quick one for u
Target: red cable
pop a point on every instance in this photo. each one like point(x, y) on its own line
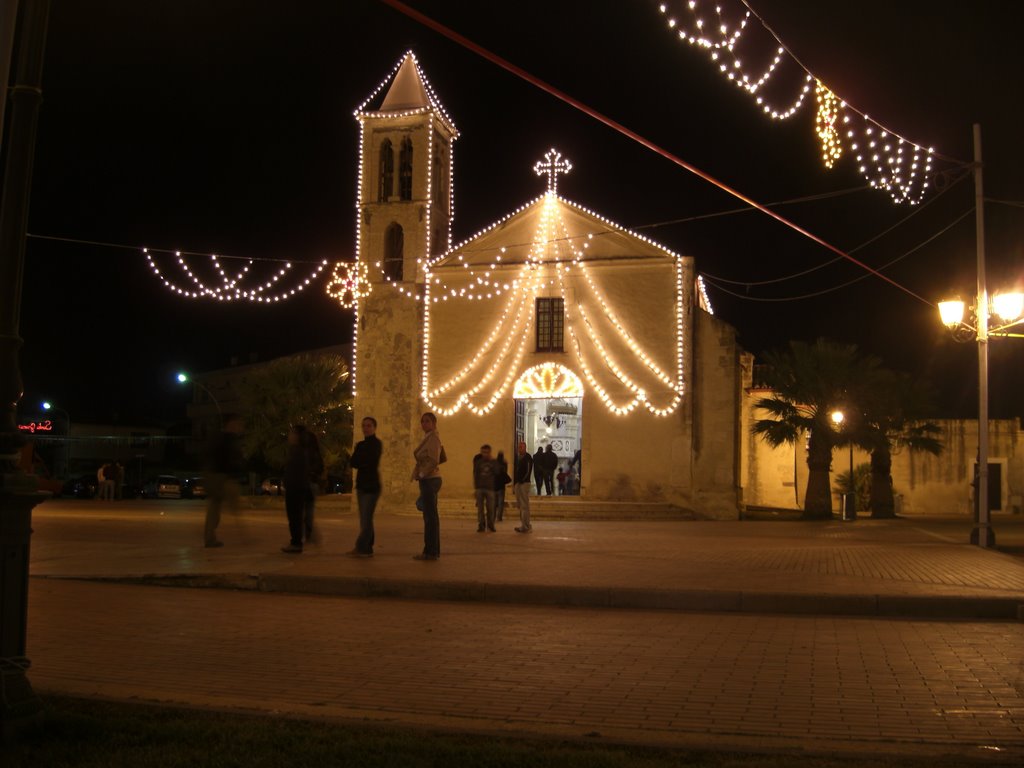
point(536, 81)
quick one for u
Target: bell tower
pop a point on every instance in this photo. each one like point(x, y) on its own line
point(404, 214)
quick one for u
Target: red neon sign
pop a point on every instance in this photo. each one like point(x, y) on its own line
point(37, 426)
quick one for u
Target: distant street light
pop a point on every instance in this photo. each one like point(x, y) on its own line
point(838, 417)
point(48, 406)
point(183, 377)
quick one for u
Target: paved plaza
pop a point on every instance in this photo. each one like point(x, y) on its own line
point(521, 646)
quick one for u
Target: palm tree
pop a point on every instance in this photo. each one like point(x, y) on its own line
point(893, 419)
point(303, 389)
point(809, 382)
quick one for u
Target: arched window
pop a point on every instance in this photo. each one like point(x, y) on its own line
point(405, 170)
point(387, 171)
point(394, 245)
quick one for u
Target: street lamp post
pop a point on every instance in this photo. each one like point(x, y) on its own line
point(1007, 307)
point(48, 406)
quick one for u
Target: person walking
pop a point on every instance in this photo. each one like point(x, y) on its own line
point(366, 462)
point(316, 483)
point(500, 482)
point(521, 472)
point(485, 479)
point(223, 463)
point(296, 487)
point(429, 455)
point(538, 469)
point(550, 465)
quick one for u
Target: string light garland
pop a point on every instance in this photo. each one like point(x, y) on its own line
point(825, 121)
point(555, 262)
point(231, 287)
point(886, 160)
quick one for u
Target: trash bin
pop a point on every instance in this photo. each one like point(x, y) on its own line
point(849, 506)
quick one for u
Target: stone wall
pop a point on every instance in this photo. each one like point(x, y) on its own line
point(717, 392)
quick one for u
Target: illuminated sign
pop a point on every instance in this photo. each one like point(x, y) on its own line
point(37, 426)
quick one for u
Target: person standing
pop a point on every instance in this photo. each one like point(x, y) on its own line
point(485, 479)
point(550, 465)
point(521, 486)
point(296, 487)
point(538, 468)
point(576, 472)
point(502, 480)
point(427, 472)
point(366, 462)
point(223, 463)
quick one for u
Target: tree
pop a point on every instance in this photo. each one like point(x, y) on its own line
point(894, 409)
point(302, 389)
point(808, 383)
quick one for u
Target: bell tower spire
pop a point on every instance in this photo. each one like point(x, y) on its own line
point(405, 184)
point(403, 219)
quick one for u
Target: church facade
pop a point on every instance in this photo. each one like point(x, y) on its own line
point(554, 326)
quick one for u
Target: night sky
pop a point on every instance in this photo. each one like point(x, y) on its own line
point(227, 128)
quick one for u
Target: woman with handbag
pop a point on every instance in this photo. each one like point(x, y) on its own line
point(429, 456)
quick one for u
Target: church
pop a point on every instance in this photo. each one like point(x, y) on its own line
point(554, 326)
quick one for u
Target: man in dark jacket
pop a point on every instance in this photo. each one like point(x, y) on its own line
point(538, 469)
point(366, 462)
point(521, 487)
point(550, 465)
point(224, 463)
point(485, 477)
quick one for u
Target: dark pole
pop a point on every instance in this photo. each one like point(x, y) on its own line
point(18, 494)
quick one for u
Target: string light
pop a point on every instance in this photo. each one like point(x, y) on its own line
point(555, 260)
point(825, 122)
point(230, 288)
point(886, 160)
point(702, 296)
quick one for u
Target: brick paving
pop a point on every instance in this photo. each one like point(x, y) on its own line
point(657, 677)
point(902, 567)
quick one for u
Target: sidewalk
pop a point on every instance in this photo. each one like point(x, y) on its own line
point(915, 568)
point(736, 675)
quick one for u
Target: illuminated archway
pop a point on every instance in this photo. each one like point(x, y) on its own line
point(548, 380)
point(549, 414)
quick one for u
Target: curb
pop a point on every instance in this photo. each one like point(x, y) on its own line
point(713, 601)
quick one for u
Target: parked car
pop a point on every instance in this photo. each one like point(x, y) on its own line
point(272, 486)
point(83, 487)
point(193, 488)
point(162, 487)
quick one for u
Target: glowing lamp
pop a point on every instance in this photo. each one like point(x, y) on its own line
point(838, 417)
point(47, 405)
point(1008, 306)
point(951, 312)
point(182, 378)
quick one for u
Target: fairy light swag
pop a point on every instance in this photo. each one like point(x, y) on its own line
point(226, 286)
point(886, 160)
point(553, 249)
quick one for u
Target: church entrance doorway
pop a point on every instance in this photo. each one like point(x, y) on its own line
point(549, 414)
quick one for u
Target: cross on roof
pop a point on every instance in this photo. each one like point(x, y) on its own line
point(552, 164)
